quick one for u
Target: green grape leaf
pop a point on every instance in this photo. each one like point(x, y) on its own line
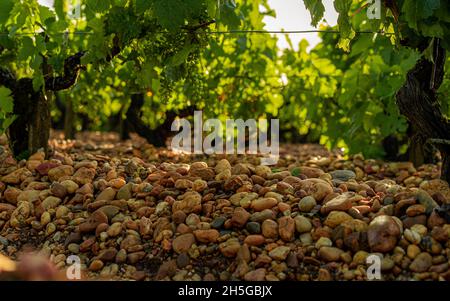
point(316, 9)
point(120, 2)
point(6, 100)
point(142, 6)
point(98, 6)
point(228, 15)
point(36, 63)
point(156, 84)
point(45, 14)
point(416, 11)
point(343, 7)
point(27, 49)
point(61, 7)
point(7, 122)
point(5, 9)
point(181, 56)
point(22, 14)
point(40, 44)
point(409, 62)
point(212, 8)
point(170, 13)
point(433, 30)
point(344, 24)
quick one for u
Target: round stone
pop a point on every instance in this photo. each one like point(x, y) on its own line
point(253, 227)
point(307, 203)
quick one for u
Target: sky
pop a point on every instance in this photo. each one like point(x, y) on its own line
point(291, 15)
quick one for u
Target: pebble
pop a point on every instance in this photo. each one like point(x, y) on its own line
point(256, 275)
point(360, 257)
point(58, 190)
point(4, 241)
point(93, 221)
point(56, 173)
point(306, 238)
point(302, 224)
point(269, 228)
point(383, 233)
point(84, 175)
point(254, 240)
point(70, 186)
point(130, 242)
point(412, 236)
point(178, 217)
point(323, 242)
point(310, 172)
point(121, 256)
point(124, 193)
point(218, 222)
point(96, 265)
point(108, 195)
point(206, 236)
point(415, 210)
point(73, 248)
point(253, 227)
point(286, 228)
point(342, 202)
point(306, 204)
point(421, 263)
point(45, 218)
point(50, 202)
point(335, 218)
point(11, 194)
point(230, 247)
point(107, 255)
point(135, 257)
point(343, 175)
point(279, 253)
point(262, 216)
point(183, 243)
point(263, 203)
point(330, 253)
point(190, 203)
point(412, 251)
point(240, 217)
point(183, 260)
point(114, 230)
point(387, 264)
point(426, 200)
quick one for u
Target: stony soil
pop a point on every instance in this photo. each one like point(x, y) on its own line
point(131, 211)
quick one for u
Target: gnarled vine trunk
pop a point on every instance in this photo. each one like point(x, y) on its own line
point(158, 136)
point(30, 130)
point(69, 118)
point(417, 100)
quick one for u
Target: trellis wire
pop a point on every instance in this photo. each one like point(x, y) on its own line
point(220, 32)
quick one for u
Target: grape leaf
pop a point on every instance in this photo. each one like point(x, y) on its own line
point(5, 8)
point(181, 56)
point(6, 100)
point(98, 6)
point(228, 15)
point(343, 8)
point(142, 6)
point(61, 8)
point(170, 13)
point(316, 9)
point(416, 11)
point(27, 49)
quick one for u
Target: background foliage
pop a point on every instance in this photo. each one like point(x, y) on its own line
point(341, 93)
